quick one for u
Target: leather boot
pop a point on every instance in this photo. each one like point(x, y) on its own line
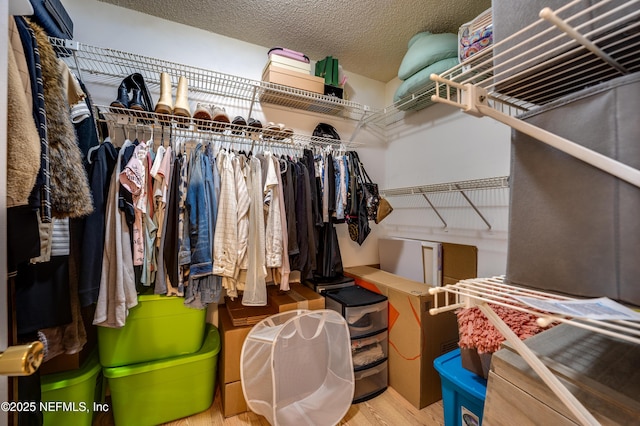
point(165, 104)
point(122, 100)
point(181, 107)
point(142, 97)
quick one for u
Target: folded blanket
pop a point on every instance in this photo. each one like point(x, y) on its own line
point(421, 80)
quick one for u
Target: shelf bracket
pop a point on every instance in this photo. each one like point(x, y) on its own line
point(473, 206)
point(253, 100)
point(435, 210)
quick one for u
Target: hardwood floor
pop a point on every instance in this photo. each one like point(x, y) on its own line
point(387, 409)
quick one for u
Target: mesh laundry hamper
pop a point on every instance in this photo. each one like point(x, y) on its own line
point(296, 368)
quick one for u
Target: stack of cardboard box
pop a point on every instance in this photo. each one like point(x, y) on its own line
point(291, 72)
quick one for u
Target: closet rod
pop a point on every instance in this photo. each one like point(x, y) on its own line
point(205, 129)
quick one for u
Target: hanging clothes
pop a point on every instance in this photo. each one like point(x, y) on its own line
point(117, 285)
point(255, 291)
point(284, 270)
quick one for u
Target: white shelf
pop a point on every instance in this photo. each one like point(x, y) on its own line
point(109, 66)
point(481, 292)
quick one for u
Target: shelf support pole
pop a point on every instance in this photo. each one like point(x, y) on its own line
point(434, 209)
point(582, 414)
point(473, 206)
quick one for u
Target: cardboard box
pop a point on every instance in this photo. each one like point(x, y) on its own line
point(231, 338)
point(247, 315)
point(416, 338)
point(232, 398)
point(298, 80)
point(298, 297)
point(289, 63)
point(459, 262)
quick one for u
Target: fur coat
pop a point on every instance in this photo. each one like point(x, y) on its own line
point(70, 193)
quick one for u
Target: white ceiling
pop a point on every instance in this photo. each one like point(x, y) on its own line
point(369, 37)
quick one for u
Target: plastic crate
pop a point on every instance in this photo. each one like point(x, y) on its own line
point(159, 327)
point(70, 396)
point(463, 392)
point(156, 392)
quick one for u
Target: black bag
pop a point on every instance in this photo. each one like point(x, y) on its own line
point(357, 218)
point(369, 189)
point(359, 228)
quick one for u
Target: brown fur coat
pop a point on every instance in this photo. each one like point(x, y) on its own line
point(70, 193)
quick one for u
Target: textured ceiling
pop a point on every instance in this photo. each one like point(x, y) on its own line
point(369, 37)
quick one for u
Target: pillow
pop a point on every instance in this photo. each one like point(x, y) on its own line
point(421, 79)
point(425, 50)
point(417, 37)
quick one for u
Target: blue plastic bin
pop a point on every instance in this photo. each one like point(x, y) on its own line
point(463, 392)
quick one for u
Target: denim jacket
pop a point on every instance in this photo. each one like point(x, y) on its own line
point(198, 205)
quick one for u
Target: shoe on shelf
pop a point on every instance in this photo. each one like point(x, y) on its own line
point(237, 122)
point(203, 116)
point(141, 98)
point(220, 118)
point(181, 107)
point(273, 130)
point(165, 103)
point(122, 101)
point(255, 124)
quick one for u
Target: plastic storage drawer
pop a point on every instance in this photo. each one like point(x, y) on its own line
point(370, 382)
point(364, 310)
point(366, 351)
point(156, 392)
point(463, 392)
point(77, 390)
point(320, 285)
point(158, 327)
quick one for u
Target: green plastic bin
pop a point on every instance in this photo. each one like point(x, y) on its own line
point(68, 398)
point(158, 327)
point(156, 392)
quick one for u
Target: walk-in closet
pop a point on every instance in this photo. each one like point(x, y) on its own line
point(287, 213)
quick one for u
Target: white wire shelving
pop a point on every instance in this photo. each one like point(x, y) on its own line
point(577, 46)
point(168, 126)
point(461, 187)
point(481, 292)
point(109, 66)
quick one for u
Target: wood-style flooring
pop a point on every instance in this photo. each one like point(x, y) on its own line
point(387, 409)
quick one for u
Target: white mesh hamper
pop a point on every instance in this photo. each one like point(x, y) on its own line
point(296, 368)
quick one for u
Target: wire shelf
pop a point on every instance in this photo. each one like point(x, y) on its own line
point(109, 66)
point(207, 129)
point(576, 46)
point(467, 185)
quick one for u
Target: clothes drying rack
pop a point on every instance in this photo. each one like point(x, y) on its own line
point(601, 47)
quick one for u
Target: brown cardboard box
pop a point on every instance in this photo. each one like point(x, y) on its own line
point(298, 297)
point(459, 262)
point(231, 340)
point(298, 80)
point(416, 338)
point(232, 399)
point(241, 315)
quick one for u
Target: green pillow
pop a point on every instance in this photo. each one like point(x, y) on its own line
point(426, 49)
point(421, 80)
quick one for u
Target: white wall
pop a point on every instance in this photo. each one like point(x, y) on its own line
point(437, 144)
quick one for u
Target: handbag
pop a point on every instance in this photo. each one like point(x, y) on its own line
point(357, 219)
point(370, 190)
point(384, 209)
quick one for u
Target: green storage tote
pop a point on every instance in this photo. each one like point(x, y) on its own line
point(71, 395)
point(158, 327)
point(156, 392)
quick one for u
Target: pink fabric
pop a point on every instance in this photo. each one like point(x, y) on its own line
point(477, 332)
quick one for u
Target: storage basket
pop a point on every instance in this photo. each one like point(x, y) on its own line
point(296, 368)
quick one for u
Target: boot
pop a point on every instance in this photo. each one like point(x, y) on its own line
point(143, 97)
point(123, 95)
point(165, 104)
point(181, 107)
